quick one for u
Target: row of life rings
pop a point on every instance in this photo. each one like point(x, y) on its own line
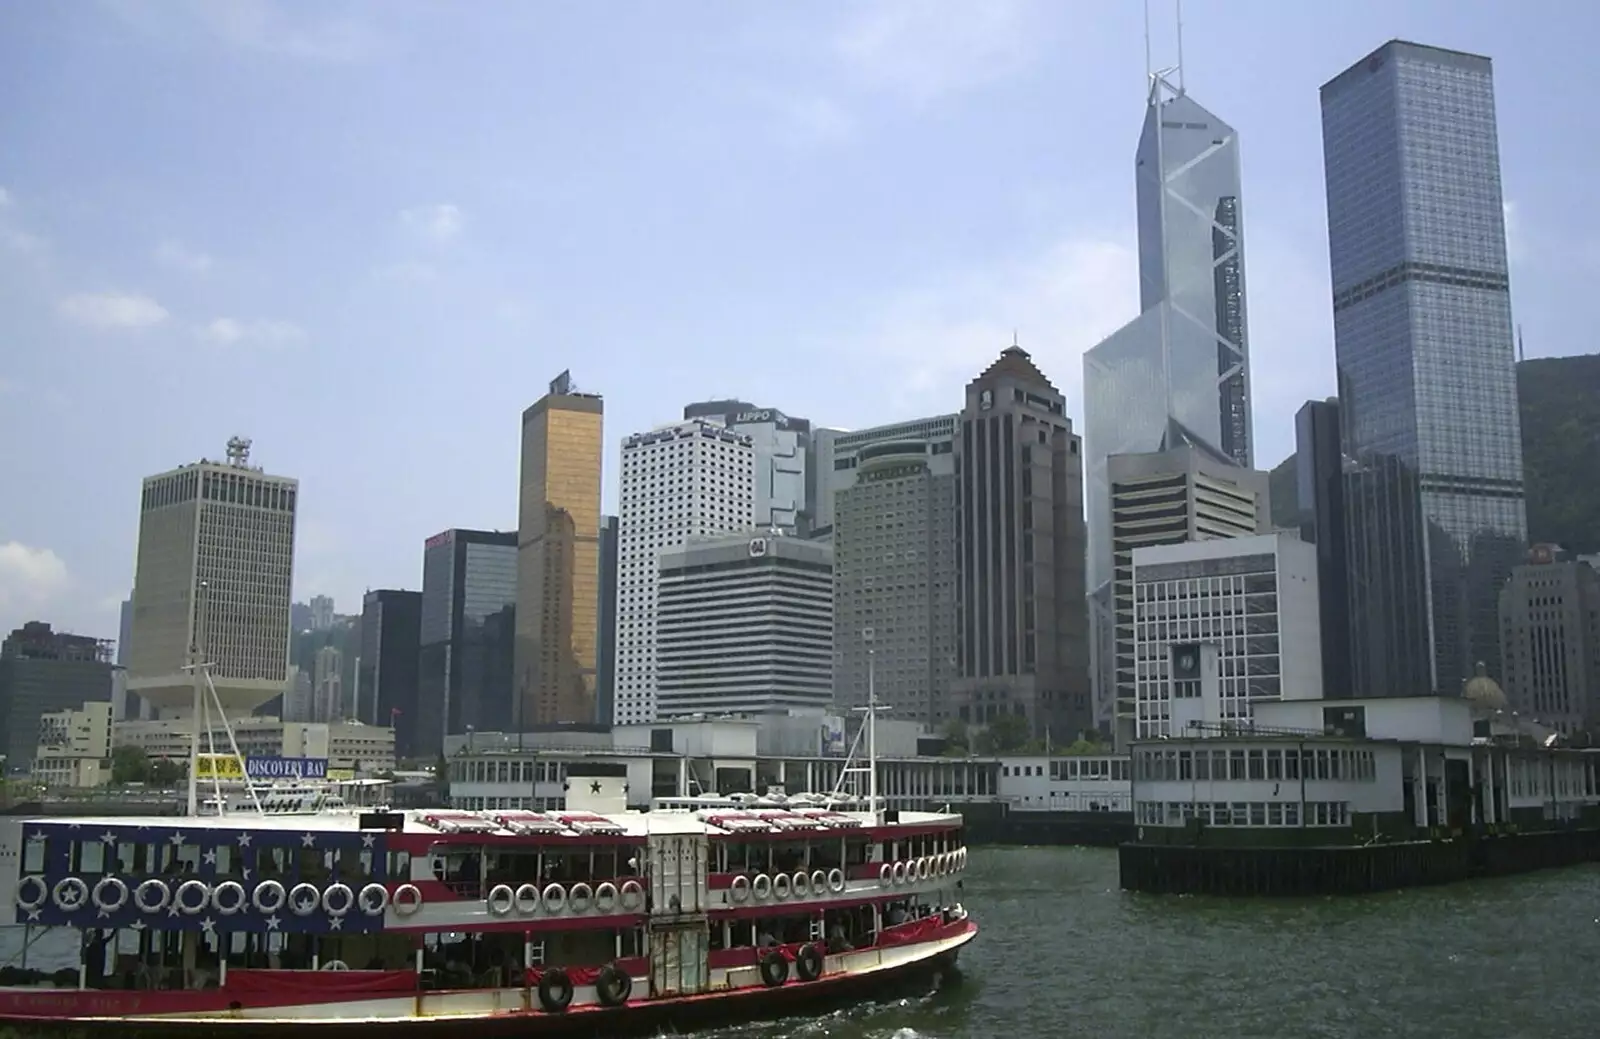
point(604, 898)
point(892, 874)
point(193, 897)
point(783, 886)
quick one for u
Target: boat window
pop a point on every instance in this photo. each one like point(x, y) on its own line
point(127, 857)
point(224, 859)
point(273, 862)
point(33, 857)
point(399, 865)
point(88, 857)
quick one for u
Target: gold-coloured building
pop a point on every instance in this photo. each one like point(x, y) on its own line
point(558, 557)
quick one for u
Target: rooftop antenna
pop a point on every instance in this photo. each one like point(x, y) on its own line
point(1522, 354)
point(1179, 6)
point(1149, 69)
point(239, 452)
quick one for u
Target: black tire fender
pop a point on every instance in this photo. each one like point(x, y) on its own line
point(808, 963)
point(613, 986)
point(774, 969)
point(555, 991)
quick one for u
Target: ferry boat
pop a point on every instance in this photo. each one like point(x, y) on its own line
point(592, 920)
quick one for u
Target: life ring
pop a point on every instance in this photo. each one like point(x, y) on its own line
point(819, 882)
point(374, 899)
point(761, 887)
point(800, 883)
point(943, 862)
point(555, 900)
point(527, 899)
point(555, 989)
point(274, 900)
point(117, 898)
point(407, 899)
point(335, 965)
point(188, 906)
point(501, 899)
point(808, 963)
point(739, 890)
point(923, 869)
point(633, 894)
point(581, 898)
point(885, 875)
point(605, 898)
point(346, 899)
point(303, 906)
point(613, 986)
point(34, 901)
point(236, 899)
point(70, 894)
point(836, 881)
point(780, 886)
point(142, 893)
point(774, 969)
point(963, 858)
point(899, 872)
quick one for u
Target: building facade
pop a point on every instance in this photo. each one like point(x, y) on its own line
point(1021, 617)
point(386, 675)
point(785, 461)
point(1319, 475)
point(558, 555)
point(1221, 626)
point(689, 479)
point(42, 672)
point(1169, 498)
point(1550, 631)
point(466, 630)
point(744, 625)
point(348, 747)
point(74, 747)
point(1430, 428)
point(606, 662)
point(894, 521)
point(213, 574)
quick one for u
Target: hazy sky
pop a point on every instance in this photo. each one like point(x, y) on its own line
point(367, 235)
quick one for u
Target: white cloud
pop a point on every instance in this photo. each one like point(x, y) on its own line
point(439, 223)
point(262, 26)
point(1059, 303)
point(227, 331)
point(21, 241)
point(30, 578)
point(181, 257)
point(5, 198)
point(925, 50)
point(112, 310)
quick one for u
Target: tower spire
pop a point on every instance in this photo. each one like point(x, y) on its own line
point(1178, 4)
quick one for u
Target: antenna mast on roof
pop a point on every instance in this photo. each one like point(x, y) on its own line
point(1179, 5)
point(239, 452)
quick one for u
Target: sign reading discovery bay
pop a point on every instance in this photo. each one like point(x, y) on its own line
point(226, 766)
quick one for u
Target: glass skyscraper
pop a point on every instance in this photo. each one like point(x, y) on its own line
point(1429, 427)
point(1179, 374)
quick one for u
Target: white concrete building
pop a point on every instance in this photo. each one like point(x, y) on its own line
point(74, 747)
point(347, 746)
point(1222, 625)
point(214, 569)
point(688, 479)
point(744, 625)
point(785, 484)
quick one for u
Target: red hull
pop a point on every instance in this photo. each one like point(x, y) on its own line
point(644, 1018)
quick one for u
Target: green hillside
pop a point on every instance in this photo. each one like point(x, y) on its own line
point(1560, 404)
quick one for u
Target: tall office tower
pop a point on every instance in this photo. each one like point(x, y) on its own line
point(1436, 518)
point(1021, 622)
point(321, 612)
point(1169, 498)
point(688, 479)
point(43, 671)
point(894, 517)
point(820, 484)
point(558, 556)
point(467, 633)
point(214, 569)
point(328, 703)
point(785, 461)
point(386, 675)
point(606, 657)
point(1319, 474)
point(1550, 626)
point(1179, 373)
point(124, 706)
point(744, 626)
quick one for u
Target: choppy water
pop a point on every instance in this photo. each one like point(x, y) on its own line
point(1065, 953)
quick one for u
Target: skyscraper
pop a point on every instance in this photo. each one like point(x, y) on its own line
point(894, 518)
point(558, 556)
point(466, 626)
point(1319, 473)
point(1022, 639)
point(1179, 373)
point(785, 461)
point(386, 678)
point(214, 569)
point(688, 479)
point(1435, 513)
point(606, 662)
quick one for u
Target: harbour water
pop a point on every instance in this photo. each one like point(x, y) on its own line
point(1065, 953)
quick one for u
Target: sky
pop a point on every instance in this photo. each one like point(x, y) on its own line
point(367, 235)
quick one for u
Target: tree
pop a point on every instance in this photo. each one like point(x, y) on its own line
point(129, 765)
point(1005, 734)
point(1083, 747)
point(957, 740)
point(166, 772)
